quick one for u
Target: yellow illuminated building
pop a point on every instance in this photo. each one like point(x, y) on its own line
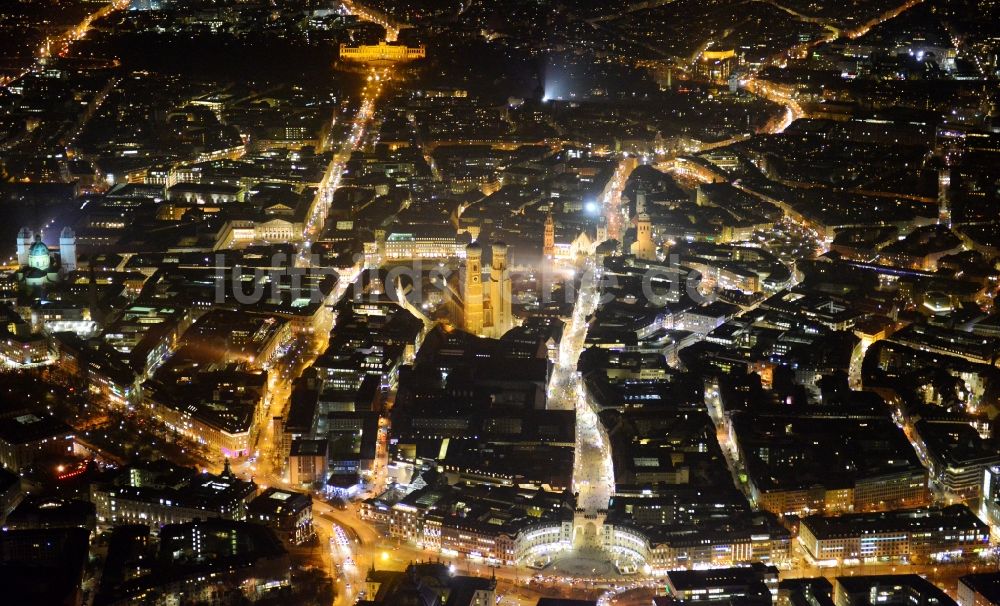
point(472, 293)
point(549, 238)
point(716, 65)
point(500, 293)
point(718, 55)
point(644, 247)
point(382, 52)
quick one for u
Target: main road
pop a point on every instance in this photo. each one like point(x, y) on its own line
point(342, 541)
point(593, 470)
point(309, 346)
point(320, 206)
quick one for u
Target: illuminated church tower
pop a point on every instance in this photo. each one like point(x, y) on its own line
point(640, 201)
point(500, 292)
point(25, 238)
point(643, 248)
point(944, 196)
point(380, 245)
point(549, 239)
point(472, 295)
point(67, 249)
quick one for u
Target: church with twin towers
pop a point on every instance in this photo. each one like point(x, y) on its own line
point(38, 264)
point(486, 311)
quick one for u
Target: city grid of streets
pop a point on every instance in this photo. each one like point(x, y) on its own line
point(593, 476)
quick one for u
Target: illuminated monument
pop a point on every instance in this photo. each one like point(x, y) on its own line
point(382, 53)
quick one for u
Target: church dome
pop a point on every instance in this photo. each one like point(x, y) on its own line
point(38, 255)
point(38, 249)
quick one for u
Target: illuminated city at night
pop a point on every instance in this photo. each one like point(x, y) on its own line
point(499, 303)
